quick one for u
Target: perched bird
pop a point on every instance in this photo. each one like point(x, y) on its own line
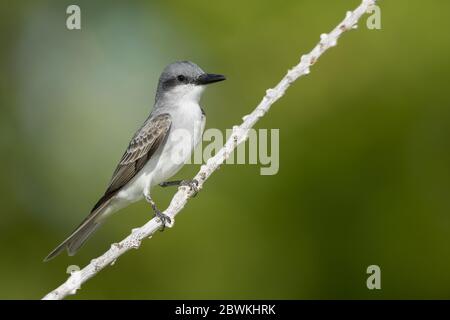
point(157, 150)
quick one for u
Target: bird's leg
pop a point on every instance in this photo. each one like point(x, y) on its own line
point(170, 183)
point(163, 217)
point(193, 184)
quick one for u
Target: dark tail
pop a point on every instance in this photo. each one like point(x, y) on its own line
point(81, 233)
point(75, 241)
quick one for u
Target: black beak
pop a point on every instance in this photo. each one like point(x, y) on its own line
point(208, 78)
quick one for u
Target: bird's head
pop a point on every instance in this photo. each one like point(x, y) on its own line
point(184, 80)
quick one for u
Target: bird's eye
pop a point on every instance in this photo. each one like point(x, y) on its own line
point(181, 78)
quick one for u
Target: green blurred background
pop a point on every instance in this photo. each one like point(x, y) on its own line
point(364, 149)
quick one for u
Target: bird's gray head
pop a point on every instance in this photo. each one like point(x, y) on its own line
point(184, 80)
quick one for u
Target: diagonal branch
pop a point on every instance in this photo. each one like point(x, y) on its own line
point(239, 135)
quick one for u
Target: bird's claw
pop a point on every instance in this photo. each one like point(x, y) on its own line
point(192, 184)
point(165, 219)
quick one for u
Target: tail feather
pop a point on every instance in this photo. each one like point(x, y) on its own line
point(75, 240)
point(81, 233)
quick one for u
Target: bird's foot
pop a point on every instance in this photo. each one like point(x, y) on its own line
point(165, 219)
point(192, 184)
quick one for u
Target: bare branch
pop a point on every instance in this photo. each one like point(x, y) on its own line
point(238, 136)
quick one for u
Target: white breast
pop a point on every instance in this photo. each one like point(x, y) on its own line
point(185, 133)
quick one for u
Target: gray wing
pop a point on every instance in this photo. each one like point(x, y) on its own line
point(143, 145)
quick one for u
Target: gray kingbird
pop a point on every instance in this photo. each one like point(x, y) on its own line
point(153, 155)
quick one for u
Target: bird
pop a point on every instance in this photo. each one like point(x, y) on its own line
point(156, 152)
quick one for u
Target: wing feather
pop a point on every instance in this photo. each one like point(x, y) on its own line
point(142, 146)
